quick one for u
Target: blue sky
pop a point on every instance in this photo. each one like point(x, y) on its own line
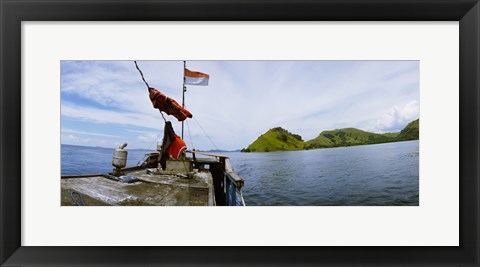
point(105, 103)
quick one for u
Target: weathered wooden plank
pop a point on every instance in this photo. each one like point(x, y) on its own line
point(151, 189)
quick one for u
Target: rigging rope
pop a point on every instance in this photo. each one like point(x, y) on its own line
point(75, 200)
point(206, 133)
point(148, 86)
point(191, 140)
point(144, 157)
point(141, 73)
point(161, 113)
point(189, 133)
point(162, 116)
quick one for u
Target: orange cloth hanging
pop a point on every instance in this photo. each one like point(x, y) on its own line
point(176, 147)
point(168, 105)
point(172, 145)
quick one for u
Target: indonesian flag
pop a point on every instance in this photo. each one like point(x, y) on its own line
point(195, 77)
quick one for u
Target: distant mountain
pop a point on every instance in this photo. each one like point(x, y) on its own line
point(276, 139)
point(279, 139)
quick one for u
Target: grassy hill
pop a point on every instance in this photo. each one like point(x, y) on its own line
point(276, 139)
point(348, 137)
point(411, 131)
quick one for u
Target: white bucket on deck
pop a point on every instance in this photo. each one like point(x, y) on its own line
point(119, 159)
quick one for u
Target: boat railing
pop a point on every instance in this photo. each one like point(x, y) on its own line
point(225, 178)
point(233, 189)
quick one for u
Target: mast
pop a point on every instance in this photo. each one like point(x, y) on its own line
point(183, 90)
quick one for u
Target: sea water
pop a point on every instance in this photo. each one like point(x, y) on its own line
point(370, 175)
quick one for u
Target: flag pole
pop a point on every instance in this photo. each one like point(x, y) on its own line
point(183, 90)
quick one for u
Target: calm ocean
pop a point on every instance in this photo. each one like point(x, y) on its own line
point(372, 175)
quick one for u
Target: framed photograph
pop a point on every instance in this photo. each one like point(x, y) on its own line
point(347, 138)
point(324, 152)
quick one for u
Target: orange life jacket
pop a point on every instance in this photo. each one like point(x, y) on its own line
point(168, 105)
point(176, 147)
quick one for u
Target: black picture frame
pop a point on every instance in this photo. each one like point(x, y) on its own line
point(13, 12)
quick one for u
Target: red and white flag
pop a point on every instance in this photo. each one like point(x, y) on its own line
point(196, 78)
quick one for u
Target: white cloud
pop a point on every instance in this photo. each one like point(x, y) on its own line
point(88, 133)
point(148, 137)
point(103, 116)
point(246, 98)
point(397, 118)
point(117, 84)
point(74, 140)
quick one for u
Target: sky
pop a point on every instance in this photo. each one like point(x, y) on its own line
point(106, 103)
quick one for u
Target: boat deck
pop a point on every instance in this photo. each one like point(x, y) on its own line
point(152, 188)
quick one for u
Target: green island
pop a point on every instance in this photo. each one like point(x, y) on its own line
point(279, 139)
